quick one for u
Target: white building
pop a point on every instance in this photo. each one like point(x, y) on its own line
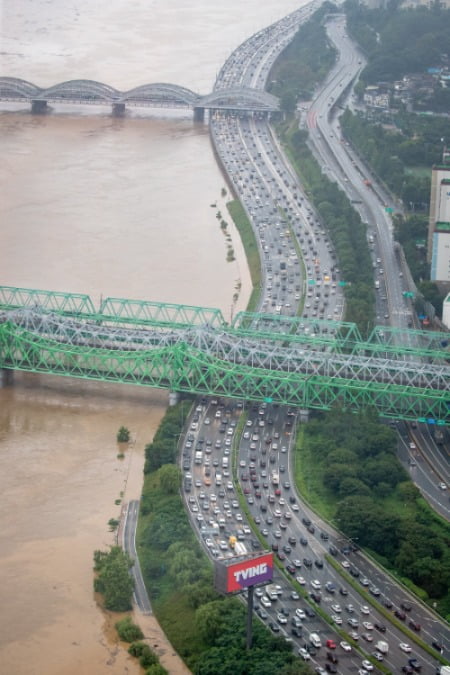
point(446, 312)
point(439, 225)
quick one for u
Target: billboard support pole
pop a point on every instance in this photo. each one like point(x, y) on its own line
point(249, 616)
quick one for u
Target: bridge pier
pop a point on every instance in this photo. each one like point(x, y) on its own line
point(199, 114)
point(118, 109)
point(38, 106)
point(173, 398)
point(303, 415)
point(6, 377)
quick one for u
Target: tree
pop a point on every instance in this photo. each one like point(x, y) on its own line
point(114, 580)
point(156, 669)
point(169, 478)
point(128, 631)
point(209, 620)
point(123, 435)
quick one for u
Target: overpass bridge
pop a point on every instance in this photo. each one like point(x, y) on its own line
point(158, 95)
point(311, 364)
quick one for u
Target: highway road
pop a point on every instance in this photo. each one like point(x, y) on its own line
point(267, 186)
point(129, 545)
point(299, 538)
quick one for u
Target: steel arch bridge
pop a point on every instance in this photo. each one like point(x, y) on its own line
point(240, 98)
point(157, 95)
point(310, 364)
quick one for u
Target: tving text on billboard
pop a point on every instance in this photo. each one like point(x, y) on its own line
point(235, 577)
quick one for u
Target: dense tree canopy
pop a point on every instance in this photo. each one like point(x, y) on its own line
point(375, 503)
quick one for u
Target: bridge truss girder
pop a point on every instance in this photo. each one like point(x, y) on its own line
point(211, 362)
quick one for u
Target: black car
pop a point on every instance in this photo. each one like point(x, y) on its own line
point(303, 541)
point(380, 626)
point(292, 541)
point(330, 668)
point(315, 596)
point(318, 563)
point(333, 550)
point(406, 606)
point(307, 562)
point(274, 627)
point(437, 645)
point(296, 631)
point(331, 656)
point(415, 665)
point(291, 569)
point(324, 536)
point(287, 549)
point(306, 522)
point(399, 614)
point(343, 591)
point(414, 625)
point(310, 613)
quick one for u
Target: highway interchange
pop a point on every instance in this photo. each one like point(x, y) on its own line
point(299, 266)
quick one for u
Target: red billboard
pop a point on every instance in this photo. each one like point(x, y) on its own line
point(233, 576)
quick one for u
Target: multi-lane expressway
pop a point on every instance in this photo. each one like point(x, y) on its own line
point(294, 248)
point(301, 541)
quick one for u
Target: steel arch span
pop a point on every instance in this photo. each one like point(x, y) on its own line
point(161, 92)
point(13, 87)
point(244, 98)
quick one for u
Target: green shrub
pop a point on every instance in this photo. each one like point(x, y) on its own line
point(128, 631)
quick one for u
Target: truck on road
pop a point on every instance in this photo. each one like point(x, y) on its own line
point(382, 646)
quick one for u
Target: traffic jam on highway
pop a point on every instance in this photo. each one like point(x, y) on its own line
point(262, 510)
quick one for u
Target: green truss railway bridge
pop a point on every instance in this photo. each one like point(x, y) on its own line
point(311, 364)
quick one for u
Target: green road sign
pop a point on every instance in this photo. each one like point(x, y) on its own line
point(408, 294)
point(311, 282)
point(389, 209)
point(343, 283)
point(268, 400)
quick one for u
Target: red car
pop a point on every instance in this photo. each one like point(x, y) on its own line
point(331, 644)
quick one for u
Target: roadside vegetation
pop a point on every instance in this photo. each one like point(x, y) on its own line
point(250, 245)
point(113, 578)
point(346, 467)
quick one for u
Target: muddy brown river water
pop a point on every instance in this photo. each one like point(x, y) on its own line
point(110, 208)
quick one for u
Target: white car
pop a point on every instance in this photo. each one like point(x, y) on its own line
point(345, 564)
point(345, 646)
point(304, 654)
point(315, 583)
point(337, 619)
point(405, 647)
point(367, 665)
point(281, 618)
point(300, 580)
point(367, 625)
point(300, 613)
point(365, 610)
point(266, 602)
point(336, 608)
